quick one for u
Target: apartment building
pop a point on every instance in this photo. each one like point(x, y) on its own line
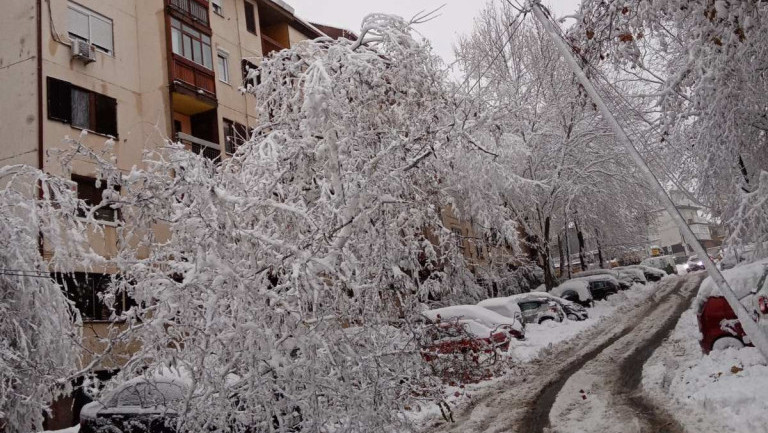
point(134, 73)
point(665, 237)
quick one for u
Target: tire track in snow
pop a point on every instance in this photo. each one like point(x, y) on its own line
point(519, 401)
point(605, 395)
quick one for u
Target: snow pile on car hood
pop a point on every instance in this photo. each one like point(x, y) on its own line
point(580, 286)
point(742, 279)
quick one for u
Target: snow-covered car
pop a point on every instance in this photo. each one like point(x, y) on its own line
point(483, 316)
point(576, 291)
point(461, 337)
point(694, 263)
point(572, 310)
point(650, 273)
point(535, 308)
point(635, 275)
point(140, 404)
point(501, 306)
point(624, 281)
point(718, 325)
point(150, 405)
point(665, 263)
point(601, 286)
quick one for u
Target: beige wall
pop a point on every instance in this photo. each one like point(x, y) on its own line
point(18, 84)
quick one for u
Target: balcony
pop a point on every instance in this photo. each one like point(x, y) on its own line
point(269, 45)
point(196, 10)
point(199, 146)
point(198, 78)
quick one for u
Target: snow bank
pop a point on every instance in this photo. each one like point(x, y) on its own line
point(725, 391)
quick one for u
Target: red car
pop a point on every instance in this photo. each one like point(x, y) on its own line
point(718, 325)
point(462, 337)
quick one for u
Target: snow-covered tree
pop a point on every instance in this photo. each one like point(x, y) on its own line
point(557, 161)
point(40, 328)
point(286, 278)
point(703, 63)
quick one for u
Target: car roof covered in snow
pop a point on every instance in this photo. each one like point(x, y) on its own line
point(503, 303)
point(742, 279)
point(645, 268)
point(599, 277)
point(579, 285)
point(591, 272)
point(480, 314)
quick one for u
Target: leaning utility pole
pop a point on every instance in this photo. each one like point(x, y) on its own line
point(759, 339)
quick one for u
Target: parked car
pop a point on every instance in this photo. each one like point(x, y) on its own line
point(576, 291)
point(601, 286)
point(149, 405)
point(635, 275)
point(624, 281)
point(140, 404)
point(665, 263)
point(460, 336)
point(718, 325)
point(694, 263)
point(534, 308)
point(490, 319)
point(650, 273)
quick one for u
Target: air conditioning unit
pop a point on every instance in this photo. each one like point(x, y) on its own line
point(83, 51)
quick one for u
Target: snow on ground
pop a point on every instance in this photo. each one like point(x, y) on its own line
point(540, 340)
point(725, 391)
point(73, 429)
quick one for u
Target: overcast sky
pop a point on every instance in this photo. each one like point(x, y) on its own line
point(456, 17)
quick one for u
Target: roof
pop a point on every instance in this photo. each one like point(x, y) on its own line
point(336, 32)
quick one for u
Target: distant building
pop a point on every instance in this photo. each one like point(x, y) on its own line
point(666, 235)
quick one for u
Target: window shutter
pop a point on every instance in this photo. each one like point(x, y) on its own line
point(59, 100)
point(106, 115)
point(101, 33)
point(81, 108)
point(78, 24)
point(250, 18)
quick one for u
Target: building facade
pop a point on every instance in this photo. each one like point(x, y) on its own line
point(665, 236)
point(133, 74)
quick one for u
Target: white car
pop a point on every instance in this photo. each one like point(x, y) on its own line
point(661, 262)
point(484, 316)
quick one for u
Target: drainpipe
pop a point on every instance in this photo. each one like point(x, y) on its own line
point(39, 23)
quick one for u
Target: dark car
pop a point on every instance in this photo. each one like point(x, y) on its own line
point(601, 286)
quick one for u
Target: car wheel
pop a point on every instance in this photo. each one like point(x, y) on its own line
point(573, 317)
point(545, 319)
point(723, 343)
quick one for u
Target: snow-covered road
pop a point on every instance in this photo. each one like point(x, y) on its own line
point(585, 384)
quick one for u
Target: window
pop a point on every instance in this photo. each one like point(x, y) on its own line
point(93, 196)
point(247, 67)
point(235, 134)
point(250, 17)
point(216, 5)
point(82, 108)
point(191, 44)
point(87, 25)
point(223, 61)
point(84, 289)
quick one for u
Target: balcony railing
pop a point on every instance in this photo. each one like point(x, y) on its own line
point(193, 75)
point(199, 146)
point(195, 9)
point(268, 45)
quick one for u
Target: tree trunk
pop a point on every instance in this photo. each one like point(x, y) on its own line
point(599, 250)
point(562, 254)
point(582, 256)
point(549, 278)
point(567, 254)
